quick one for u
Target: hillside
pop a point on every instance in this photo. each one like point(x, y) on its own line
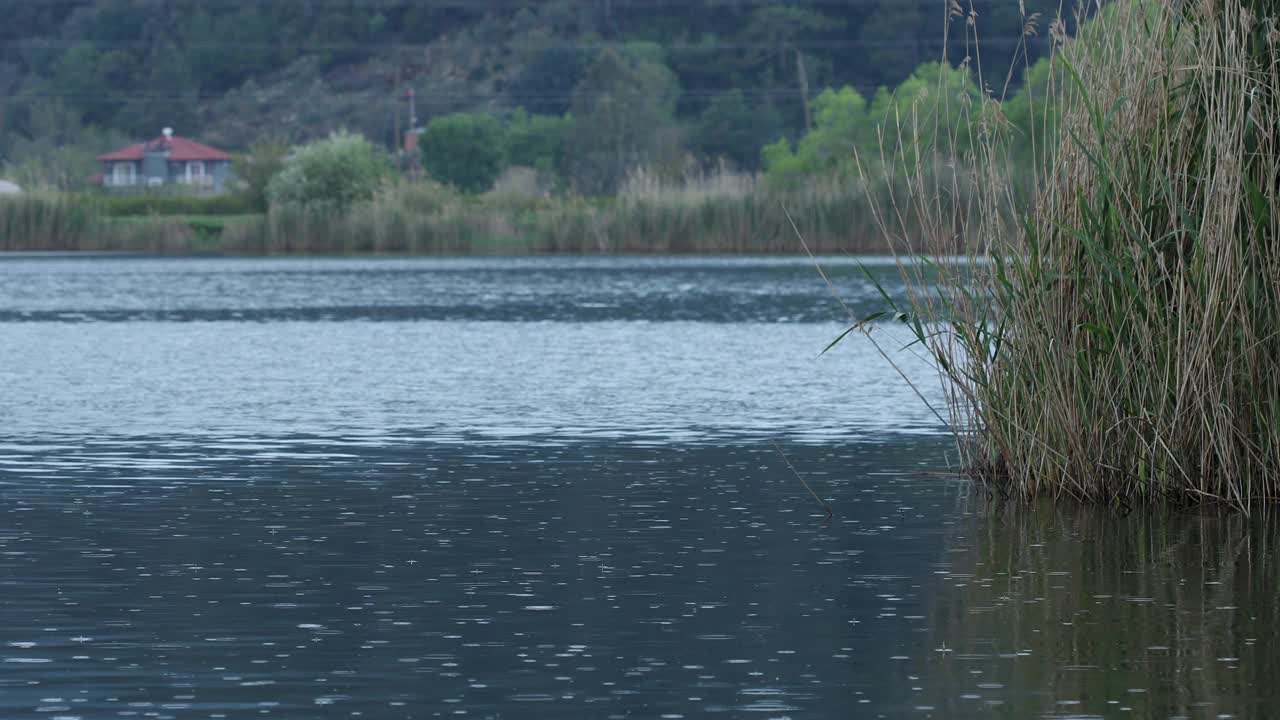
point(78, 76)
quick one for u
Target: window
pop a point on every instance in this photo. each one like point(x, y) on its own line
point(123, 173)
point(195, 172)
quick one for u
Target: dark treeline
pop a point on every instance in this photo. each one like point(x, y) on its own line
point(91, 72)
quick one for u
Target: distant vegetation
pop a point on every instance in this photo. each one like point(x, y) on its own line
point(603, 127)
point(695, 84)
point(718, 213)
point(337, 171)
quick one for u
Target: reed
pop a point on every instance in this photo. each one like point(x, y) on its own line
point(1088, 606)
point(1115, 336)
point(718, 212)
point(47, 222)
point(715, 214)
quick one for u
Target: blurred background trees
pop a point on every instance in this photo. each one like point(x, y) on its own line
point(707, 82)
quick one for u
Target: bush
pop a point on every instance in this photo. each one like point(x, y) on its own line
point(464, 150)
point(339, 170)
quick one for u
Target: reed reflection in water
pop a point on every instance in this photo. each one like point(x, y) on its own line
point(1091, 614)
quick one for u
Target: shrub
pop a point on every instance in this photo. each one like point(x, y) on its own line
point(464, 150)
point(339, 170)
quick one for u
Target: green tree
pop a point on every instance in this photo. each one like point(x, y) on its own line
point(841, 128)
point(892, 41)
point(931, 110)
point(265, 159)
point(538, 141)
point(732, 129)
point(782, 33)
point(339, 170)
point(620, 108)
point(545, 85)
point(464, 150)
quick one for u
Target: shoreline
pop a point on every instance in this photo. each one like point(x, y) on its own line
point(799, 254)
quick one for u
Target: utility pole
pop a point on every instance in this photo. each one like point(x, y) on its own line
point(399, 139)
point(413, 111)
point(410, 139)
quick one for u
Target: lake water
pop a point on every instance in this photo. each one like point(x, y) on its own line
point(553, 488)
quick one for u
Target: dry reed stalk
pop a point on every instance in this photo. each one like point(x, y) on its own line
point(1118, 340)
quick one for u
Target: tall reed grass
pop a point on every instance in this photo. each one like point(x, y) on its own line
point(719, 212)
point(713, 214)
point(1117, 336)
point(56, 222)
point(47, 222)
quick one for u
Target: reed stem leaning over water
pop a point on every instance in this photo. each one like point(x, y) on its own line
point(1115, 335)
point(826, 507)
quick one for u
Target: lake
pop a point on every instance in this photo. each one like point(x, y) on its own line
point(554, 488)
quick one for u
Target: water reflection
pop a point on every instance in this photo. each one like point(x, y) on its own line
point(412, 580)
point(1057, 611)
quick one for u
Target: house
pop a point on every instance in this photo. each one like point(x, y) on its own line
point(166, 160)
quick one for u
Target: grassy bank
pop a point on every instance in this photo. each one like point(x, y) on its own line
point(722, 214)
point(1124, 343)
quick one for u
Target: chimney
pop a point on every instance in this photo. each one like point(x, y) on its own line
point(168, 133)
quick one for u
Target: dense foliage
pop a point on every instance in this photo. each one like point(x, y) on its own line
point(738, 73)
point(464, 150)
point(337, 171)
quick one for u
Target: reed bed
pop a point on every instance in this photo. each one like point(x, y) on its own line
point(47, 222)
point(1116, 337)
point(718, 212)
point(719, 215)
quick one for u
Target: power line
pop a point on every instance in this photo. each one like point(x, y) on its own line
point(482, 5)
point(998, 41)
point(426, 96)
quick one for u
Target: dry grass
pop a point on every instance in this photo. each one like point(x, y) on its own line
point(713, 213)
point(47, 222)
point(1117, 338)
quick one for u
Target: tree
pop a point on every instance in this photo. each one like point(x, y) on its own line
point(841, 128)
point(538, 141)
point(781, 32)
point(886, 61)
point(730, 128)
point(265, 159)
point(464, 150)
point(619, 109)
point(339, 170)
point(545, 85)
point(931, 110)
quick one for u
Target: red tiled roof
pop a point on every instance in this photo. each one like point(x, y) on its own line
point(179, 149)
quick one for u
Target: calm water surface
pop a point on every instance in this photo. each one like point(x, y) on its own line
point(548, 488)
